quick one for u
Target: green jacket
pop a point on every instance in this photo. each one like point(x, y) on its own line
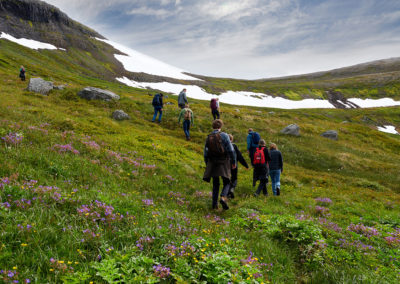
point(182, 115)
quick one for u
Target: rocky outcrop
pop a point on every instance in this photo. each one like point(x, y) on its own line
point(120, 115)
point(91, 93)
point(38, 85)
point(330, 134)
point(338, 100)
point(292, 129)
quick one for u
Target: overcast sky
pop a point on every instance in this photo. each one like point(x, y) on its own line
point(247, 39)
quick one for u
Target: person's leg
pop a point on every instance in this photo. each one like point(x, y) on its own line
point(155, 115)
point(224, 193)
point(264, 188)
point(188, 129)
point(185, 128)
point(213, 114)
point(278, 182)
point(217, 113)
point(251, 155)
point(272, 174)
point(215, 192)
point(233, 183)
point(159, 118)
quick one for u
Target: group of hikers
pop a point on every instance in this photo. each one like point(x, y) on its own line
point(222, 156)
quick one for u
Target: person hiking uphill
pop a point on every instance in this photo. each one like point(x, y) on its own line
point(253, 138)
point(158, 106)
point(187, 115)
point(234, 172)
point(182, 99)
point(275, 168)
point(220, 158)
point(22, 73)
point(214, 105)
point(260, 163)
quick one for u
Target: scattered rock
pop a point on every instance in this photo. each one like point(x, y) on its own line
point(292, 129)
point(120, 115)
point(38, 85)
point(91, 93)
point(237, 110)
point(345, 121)
point(169, 103)
point(258, 111)
point(60, 87)
point(271, 112)
point(331, 134)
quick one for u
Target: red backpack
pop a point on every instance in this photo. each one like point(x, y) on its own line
point(259, 157)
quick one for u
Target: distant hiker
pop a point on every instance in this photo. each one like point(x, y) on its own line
point(22, 73)
point(158, 106)
point(187, 115)
point(214, 105)
point(253, 138)
point(260, 163)
point(182, 99)
point(220, 159)
point(275, 168)
point(234, 172)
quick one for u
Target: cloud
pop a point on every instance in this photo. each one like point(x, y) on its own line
point(248, 38)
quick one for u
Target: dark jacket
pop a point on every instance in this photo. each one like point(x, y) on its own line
point(276, 162)
point(160, 105)
point(261, 171)
point(239, 157)
point(219, 167)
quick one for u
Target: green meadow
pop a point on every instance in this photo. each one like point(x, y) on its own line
point(87, 199)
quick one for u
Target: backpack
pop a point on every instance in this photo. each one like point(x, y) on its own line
point(188, 114)
point(259, 157)
point(156, 100)
point(213, 104)
point(214, 145)
point(255, 137)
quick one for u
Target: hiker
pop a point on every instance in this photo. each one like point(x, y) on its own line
point(234, 172)
point(220, 159)
point(275, 168)
point(260, 163)
point(214, 105)
point(253, 138)
point(22, 73)
point(158, 106)
point(187, 115)
point(182, 99)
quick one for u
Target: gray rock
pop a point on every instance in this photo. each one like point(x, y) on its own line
point(331, 134)
point(169, 103)
point(271, 112)
point(258, 111)
point(38, 85)
point(120, 115)
point(237, 110)
point(91, 93)
point(291, 129)
point(60, 87)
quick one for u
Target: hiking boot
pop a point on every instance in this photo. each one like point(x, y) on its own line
point(231, 195)
point(215, 207)
point(278, 191)
point(224, 204)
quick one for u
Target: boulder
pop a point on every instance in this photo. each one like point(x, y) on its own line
point(38, 85)
point(237, 110)
point(291, 129)
point(331, 134)
point(60, 87)
point(120, 115)
point(91, 93)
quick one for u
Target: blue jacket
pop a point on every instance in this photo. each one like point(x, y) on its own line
point(226, 142)
point(250, 144)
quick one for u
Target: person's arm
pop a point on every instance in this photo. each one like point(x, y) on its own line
point(205, 153)
point(185, 98)
point(192, 117)
point(248, 142)
point(267, 155)
point(180, 116)
point(281, 161)
point(241, 159)
point(228, 148)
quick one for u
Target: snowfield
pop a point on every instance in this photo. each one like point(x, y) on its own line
point(30, 43)
point(252, 99)
point(135, 61)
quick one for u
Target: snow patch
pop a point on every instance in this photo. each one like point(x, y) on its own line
point(231, 97)
point(367, 103)
point(388, 129)
point(30, 43)
point(135, 61)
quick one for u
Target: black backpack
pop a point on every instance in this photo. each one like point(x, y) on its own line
point(156, 100)
point(215, 147)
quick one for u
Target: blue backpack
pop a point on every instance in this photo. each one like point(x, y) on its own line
point(255, 137)
point(156, 100)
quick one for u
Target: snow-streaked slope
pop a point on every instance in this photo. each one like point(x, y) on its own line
point(230, 97)
point(135, 61)
point(388, 129)
point(253, 99)
point(33, 44)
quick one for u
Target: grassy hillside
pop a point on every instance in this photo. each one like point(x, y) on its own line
point(84, 198)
